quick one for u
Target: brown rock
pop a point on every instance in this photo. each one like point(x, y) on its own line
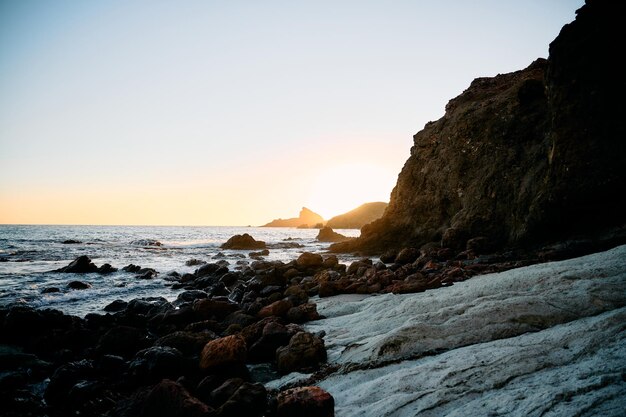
point(208, 308)
point(278, 308)
point(304, 351)
point(229, 350)
point(170, 399)
point(244, 241)
point(326, 234)
point(303, 313)
point(305, 402)
point(310, 260)
point(407, 256)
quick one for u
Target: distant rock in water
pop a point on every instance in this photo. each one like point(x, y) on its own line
point(306, 219)
point(80, 265)
point(83, 265)
point(327, 234)
point(522, 158)
point(71, 242)
point(146, 243)
point(78, 285)
point(359, 217)
point(244, 241)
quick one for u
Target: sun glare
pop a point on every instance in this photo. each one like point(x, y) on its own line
point(341, 188)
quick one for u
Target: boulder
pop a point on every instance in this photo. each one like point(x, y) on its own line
point(407, 256)
point(78, 285)
point(248, 400)
point(80, 265)
point(244, 241)
point(194, 262)
point(124, 341)
point(305, 402)
point(304, 351)
point(170, 399)
point(229, 350)
point(310, 260)
point(156, 363)
point(209, 308)
point(189, 343)
point(115, 306)
point(326, 234)
point(278, 308)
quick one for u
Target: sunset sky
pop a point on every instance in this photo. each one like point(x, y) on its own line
point(234, 112)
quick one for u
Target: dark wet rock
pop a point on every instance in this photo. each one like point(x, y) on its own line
point(78, 285)
point(229, 350)
point(244, 241)
point(389, 256)
point(330, 261)
point(157, 362)
point(264, 252)
point(80, 265)
point(50, 290)
point(190, 296)
point(115, 306)
point(189, 343)
point(296, 295)
point(326, 234)
point(239, 318)
point(223, 392)
point(278, 308)
point(308, 260)
point(64, 378)
point(124, 341)
point(248, 400)
point(210, 269)
point(170, 399)
point(111, 365)
point(304, 351)
point(146, 243)
point(131, 268)
point(211, 308)
point(149, 306)
point(273, 336)
point(407, 256)
point(106, 269)
point(71, 242)
point(305, 402)
point(303, 313)
point(479, 245)
point(194, 262)
point(146, 273)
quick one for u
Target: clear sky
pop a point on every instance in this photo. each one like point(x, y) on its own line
point(234, 112)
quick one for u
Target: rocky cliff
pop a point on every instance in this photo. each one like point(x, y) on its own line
point(520, 158)
point(306, 218)
point(359, 217)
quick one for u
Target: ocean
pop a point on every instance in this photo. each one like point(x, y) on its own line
point(29, 254)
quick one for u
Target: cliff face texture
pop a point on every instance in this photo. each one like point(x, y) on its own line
point(520, 158)
point(359, 217)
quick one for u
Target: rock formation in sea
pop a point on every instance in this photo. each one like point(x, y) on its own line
point(306, 219)
point(359, 217)
point(520, 158)
point(327, 234)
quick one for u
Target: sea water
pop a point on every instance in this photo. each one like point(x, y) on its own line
point(29, 254)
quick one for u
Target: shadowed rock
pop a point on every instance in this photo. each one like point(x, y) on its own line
point(244, 241)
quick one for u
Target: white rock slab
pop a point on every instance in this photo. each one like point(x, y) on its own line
point(544, 340)
point(389, 327)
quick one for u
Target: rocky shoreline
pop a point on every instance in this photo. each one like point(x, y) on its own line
point(229, 331)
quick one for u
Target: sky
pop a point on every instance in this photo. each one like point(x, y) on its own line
point(234, 112)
